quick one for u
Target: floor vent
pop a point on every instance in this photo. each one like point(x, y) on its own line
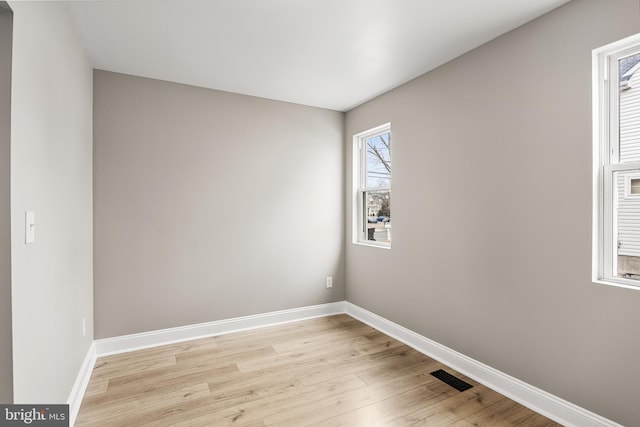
point(454, 382)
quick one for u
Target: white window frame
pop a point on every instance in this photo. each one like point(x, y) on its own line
point(606, 159)
point(359, 186)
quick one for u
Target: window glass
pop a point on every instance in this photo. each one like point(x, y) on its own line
point(378, 205)
point(626, 228)
point(379, 161)
point(629, 108)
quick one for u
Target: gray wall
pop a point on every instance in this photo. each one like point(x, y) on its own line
point(492, 181)
point(211, 205)
point(51, 174)
point(6, 364)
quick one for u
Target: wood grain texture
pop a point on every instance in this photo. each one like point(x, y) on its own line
point(331, 371)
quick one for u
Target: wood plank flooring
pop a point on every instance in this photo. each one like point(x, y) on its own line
point(331, 371)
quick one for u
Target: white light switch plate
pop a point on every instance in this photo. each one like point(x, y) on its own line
point(29, 227)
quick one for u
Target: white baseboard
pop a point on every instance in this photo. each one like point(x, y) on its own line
point(551, 406)
point(139, 341)
point(81, 383)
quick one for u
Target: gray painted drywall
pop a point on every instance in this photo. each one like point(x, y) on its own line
point(6, 364)
point(491, 212)
point(51, 174)
point(211, 205)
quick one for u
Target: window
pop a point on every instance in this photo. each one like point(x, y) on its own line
point(372, 186)
point(616, 121)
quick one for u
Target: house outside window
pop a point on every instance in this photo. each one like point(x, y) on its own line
point(616, 121)
point(372, 186)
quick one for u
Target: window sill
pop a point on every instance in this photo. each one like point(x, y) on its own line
point(373, 245)
point(621, 284)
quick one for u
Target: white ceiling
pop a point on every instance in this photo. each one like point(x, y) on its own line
point(333, 54)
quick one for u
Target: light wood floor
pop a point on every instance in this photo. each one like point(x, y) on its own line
point(332, 371)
